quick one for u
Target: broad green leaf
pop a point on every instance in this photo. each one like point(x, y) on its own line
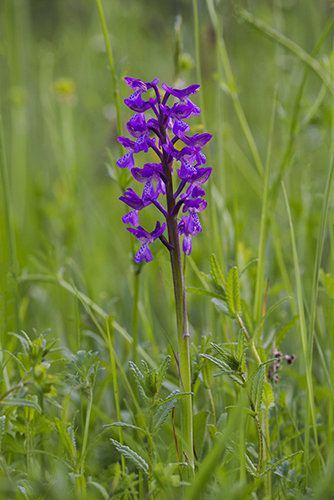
point(200, 421)
point(161, 415)
point(162, 372)
point(241, 345)
point(257, 388)
point(131, 455)
point(222, 306)
point(233, 293)
point(268, 395)
point(282, 333)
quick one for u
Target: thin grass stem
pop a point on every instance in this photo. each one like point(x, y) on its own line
point(310, 405)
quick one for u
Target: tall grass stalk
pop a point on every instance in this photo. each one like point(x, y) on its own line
point(114, 76)
point(321, 236)
point(230, 86)
point(9, 219)
point(115, 384)
point(310, 403)
point(215, 227)
point(264, 221)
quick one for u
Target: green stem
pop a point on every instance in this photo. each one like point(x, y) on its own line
point(135, 319)
point(8, 216)
point(116, 392)
point(264, 223)
point(112, 70)
point(150, 452)
point(310, 406)
point(85, 439)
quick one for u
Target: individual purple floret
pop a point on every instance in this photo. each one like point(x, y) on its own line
point(146, 238)
point(166, 134)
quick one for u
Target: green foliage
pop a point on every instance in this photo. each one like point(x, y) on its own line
point(257, 389)
point(132, 456)
point(66, 261)
point(233, 293)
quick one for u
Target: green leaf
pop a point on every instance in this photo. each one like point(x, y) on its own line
point(280, 462)
point(201, 291)
point(241, 345)
point(65, 439)
point(247, 315)
point(216, 271)
point(233, 293)
point(257, 388)
point(268, 395)
point(131, 455)
point(21, 402)
point(250, 264)
point(140, 381)
point(222, 306)
point(255, 372)
point(101, 489)
point(162, 372)
point(282, 333)
point(161, 415)
point(265, 316)
point(128, 426)
point(221, 364)
point(200, 421)
point(173, 395)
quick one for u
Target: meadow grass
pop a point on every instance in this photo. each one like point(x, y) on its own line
point(90, 402)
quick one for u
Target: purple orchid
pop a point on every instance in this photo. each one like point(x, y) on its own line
point(167, 135)
point(146, 238)
point(186, 228)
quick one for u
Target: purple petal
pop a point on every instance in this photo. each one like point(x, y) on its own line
point(126, 161)
point(137, 125)
point(180, 128)
point(140, 234)
point(158, 231)
point(187, 244)
point(197, 139)
point(132, 199)
point(136, 103)
point(136, 84)
point(197, 191)
point(143, 253)
point(149, 193)
point(131, 218)
point(201, 175)
point(181, 94)
point(127, 143)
